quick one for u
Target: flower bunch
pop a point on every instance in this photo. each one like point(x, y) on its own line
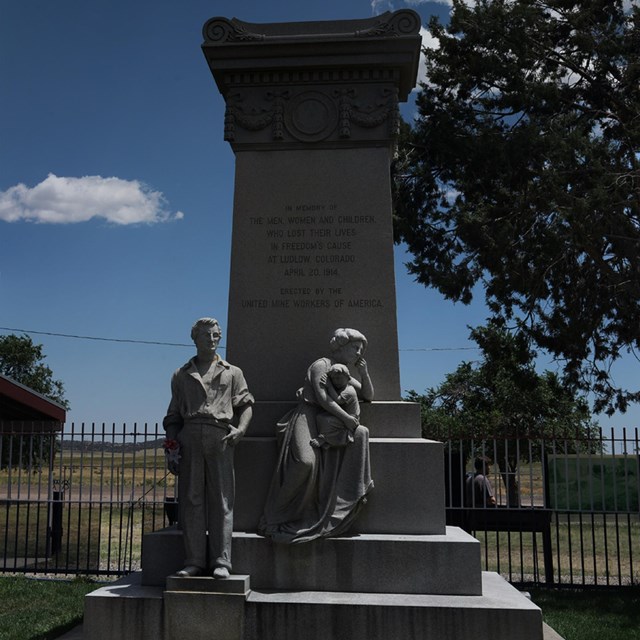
point(171, 449)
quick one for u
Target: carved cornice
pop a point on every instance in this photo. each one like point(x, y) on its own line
point(400, 23)
point(221, 31)
point(384, 48)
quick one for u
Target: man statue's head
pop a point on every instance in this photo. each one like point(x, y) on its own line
point(206, 335)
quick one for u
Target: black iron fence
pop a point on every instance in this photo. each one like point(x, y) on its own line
point(567, 509)
point(79, 501)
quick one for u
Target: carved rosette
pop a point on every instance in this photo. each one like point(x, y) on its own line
point(310, 116)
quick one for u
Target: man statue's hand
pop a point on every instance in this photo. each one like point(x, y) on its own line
point(233, 436)
point(172, 452)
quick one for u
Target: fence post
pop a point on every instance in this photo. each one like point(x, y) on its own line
point(54, 538)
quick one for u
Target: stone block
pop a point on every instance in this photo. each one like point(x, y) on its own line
point(409, 485)
point(501, 613)
point(193, 615)
point(162, 555)
point(124, 609)
point(201, 607)
point(288, 294)
point(443, 564)
point(383, 419)
point(447, 564)
point(234, 584)
point(254, 460)
point(409, 496)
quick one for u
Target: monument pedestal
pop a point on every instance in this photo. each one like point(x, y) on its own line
point(203, 608)
point(446, 564)
point(369, 585)
point(399, 503)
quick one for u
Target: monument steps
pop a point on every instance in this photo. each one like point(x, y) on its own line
point(384, 419)
point(126, 609)
point(501, 613)
point(422, 564)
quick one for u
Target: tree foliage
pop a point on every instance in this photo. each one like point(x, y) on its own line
point(496, 405)
point(503, 396)
point(23, 361)
point(521, 175)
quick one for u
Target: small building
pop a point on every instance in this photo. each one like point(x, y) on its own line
point(23, 410)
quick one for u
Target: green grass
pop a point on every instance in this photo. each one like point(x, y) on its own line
point(613, 614)
point(600, 549)
point(40, 609)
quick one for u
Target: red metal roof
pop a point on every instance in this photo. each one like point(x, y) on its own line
point(18, 402)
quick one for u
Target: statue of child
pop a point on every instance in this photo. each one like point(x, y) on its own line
point(332, 432)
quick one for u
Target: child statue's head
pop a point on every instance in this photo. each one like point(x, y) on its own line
point(339, 376)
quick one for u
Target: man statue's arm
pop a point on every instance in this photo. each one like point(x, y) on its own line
point(173, 421)
point(245, 412)
point(172, 424)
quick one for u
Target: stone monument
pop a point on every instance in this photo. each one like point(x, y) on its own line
point(311, 115)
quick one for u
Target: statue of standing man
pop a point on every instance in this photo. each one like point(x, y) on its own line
point(210, 411)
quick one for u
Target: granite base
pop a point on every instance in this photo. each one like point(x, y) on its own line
point(371, 563)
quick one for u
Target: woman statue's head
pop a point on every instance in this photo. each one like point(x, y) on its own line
point(347, 345)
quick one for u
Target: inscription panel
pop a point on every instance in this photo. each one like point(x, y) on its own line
point(310, 249)
point(311, 255)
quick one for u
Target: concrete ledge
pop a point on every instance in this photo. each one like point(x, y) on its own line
point(124, 609)
point(502, 613)
point(383, 419)
point(408, 497)
point(192, 615)
point(236, 584)
point(447, 564)
point(436, 564)
point(549, 633)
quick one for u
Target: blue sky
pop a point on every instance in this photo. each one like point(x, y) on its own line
point(116, 192)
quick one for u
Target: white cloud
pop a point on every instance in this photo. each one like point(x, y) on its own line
point(58, 200)
point(380, 6)
point(428, 42)
point(469, 3)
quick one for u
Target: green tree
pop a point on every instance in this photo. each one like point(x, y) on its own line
point(23, 361)
point(501, 402)
point(520, 177)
